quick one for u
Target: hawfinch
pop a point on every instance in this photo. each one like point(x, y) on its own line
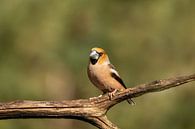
point(103, 74)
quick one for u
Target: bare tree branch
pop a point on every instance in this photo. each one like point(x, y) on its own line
point(90, 110)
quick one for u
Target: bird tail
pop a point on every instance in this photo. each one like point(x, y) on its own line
point(130, 101)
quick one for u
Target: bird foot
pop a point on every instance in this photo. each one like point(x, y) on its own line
point(111, 94)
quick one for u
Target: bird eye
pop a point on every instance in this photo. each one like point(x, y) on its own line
point(100, 53)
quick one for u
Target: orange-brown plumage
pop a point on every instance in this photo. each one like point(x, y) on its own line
point(102, 73)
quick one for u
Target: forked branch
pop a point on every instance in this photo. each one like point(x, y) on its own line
point(90, 110)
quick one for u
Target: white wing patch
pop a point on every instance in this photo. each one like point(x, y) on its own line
point(114, 71)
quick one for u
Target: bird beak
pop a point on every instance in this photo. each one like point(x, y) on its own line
point(94, 55)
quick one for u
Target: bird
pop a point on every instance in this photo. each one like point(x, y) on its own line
point(103, 74)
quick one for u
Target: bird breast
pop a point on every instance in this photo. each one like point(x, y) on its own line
point(100, 76)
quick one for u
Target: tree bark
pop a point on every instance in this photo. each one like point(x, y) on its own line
point(92, 110)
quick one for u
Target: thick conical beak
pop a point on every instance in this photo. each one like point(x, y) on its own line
point(94, 55)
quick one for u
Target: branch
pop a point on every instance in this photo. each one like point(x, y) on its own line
point(90, 110)
point(155, 86)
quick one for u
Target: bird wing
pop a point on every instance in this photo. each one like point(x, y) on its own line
point(116, 76)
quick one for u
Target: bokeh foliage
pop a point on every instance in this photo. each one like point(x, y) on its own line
point(44, 47)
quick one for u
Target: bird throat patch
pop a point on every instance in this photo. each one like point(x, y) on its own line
point(93, 61)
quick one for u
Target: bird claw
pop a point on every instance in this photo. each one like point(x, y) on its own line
point(111, 94)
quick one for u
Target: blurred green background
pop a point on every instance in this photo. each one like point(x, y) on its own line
point(44, 47)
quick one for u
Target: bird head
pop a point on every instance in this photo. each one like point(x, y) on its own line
point(98, 55)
